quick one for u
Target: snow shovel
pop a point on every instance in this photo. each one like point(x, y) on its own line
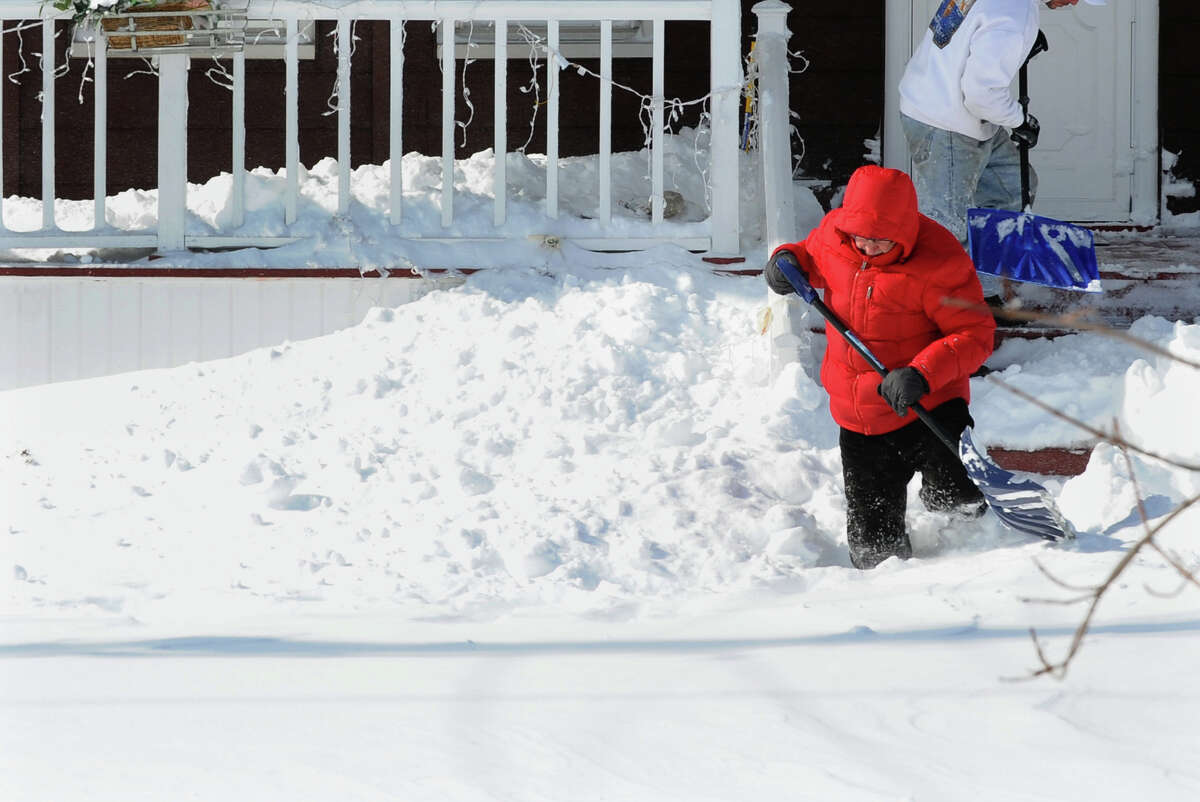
point(1020, 504)
point(1023, 246)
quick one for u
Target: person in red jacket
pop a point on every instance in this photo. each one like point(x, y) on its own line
point(905, 285)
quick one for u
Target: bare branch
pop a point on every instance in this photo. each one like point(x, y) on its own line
point(1188, 575)
point(1089, 589)
point(1059, 669)
point(1075, 320)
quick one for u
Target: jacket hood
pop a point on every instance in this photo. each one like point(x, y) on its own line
point(881, 203)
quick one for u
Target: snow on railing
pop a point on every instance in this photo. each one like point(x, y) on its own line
point(171, 233)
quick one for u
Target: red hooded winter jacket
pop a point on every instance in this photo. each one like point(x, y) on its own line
point(895, 302)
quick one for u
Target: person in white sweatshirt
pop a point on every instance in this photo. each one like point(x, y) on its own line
point(959, 114)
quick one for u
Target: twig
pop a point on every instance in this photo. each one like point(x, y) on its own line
point(1075, 321)
point(1059, 669)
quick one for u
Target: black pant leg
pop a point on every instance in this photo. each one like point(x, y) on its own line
point(945, 484)
point(876, 477)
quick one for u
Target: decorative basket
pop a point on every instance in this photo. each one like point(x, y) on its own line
point(153, 23)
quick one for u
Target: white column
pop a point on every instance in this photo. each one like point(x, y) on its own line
point(726, 81)
point(343, 113)
point(774, 124)
point(500, 124)
point(291, 58)
point(606, 56)
point(48, 124)
point(552, 83)
point(238, 168)
point(788, 334)
point(657, 137)
point(100, 132)
point(448, 99)
point(396, 121)
point(172, 151)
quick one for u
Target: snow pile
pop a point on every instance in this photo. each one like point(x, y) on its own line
point(554, 534)
point(596, 442)
point(1154, 413)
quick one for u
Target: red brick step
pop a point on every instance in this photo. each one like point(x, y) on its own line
point(1051, 461)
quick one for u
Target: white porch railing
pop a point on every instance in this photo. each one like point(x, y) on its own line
point(171, 234)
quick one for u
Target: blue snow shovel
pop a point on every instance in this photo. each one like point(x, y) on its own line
point(1023, 246)
point(1020, 504)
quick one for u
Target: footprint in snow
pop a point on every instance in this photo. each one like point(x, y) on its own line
point(474, 483)
point(280, 497)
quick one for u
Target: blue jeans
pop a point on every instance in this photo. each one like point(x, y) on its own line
point(954, 172)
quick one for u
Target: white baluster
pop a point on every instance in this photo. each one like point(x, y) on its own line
point(100, 132)
point(343, 113)
point(552, 71)
point(606, 56)
point(238, 168)
point(500, 123)
point(657, 136)
point(172, 151)
point(448, 99)
point(48, 125)
point(291, 59)
point(396, 120)
point(726, 81)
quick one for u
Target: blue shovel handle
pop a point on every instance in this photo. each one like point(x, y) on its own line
point(795, 276)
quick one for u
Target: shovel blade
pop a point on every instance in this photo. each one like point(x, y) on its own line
point(1021, 504)
point(1027, 247)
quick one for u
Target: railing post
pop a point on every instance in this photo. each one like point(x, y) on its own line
point(172, 151)
point(552, 82)
point(396, 120)
point(291, 91)
point(726, 82)
point(343, 113)
point(499, 123)
point(449, 97)
point(774, 124)
point(238, 168)
point(48, 70)
point(100, 132)
point(657, 110)
point(789, 338)
point(604, 210)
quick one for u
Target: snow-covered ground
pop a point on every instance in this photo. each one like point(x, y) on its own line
point(557, 534)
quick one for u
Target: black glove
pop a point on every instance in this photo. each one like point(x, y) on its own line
point(902, 388)
point(779, 283)
point(1027, 132)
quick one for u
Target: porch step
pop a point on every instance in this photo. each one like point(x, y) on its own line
point(1050, 461)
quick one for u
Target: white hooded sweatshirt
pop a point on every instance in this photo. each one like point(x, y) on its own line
point(966, 85)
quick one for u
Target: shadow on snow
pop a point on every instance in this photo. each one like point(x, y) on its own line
point(283, 647)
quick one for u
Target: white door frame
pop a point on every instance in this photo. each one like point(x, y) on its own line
point(1144, 145)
